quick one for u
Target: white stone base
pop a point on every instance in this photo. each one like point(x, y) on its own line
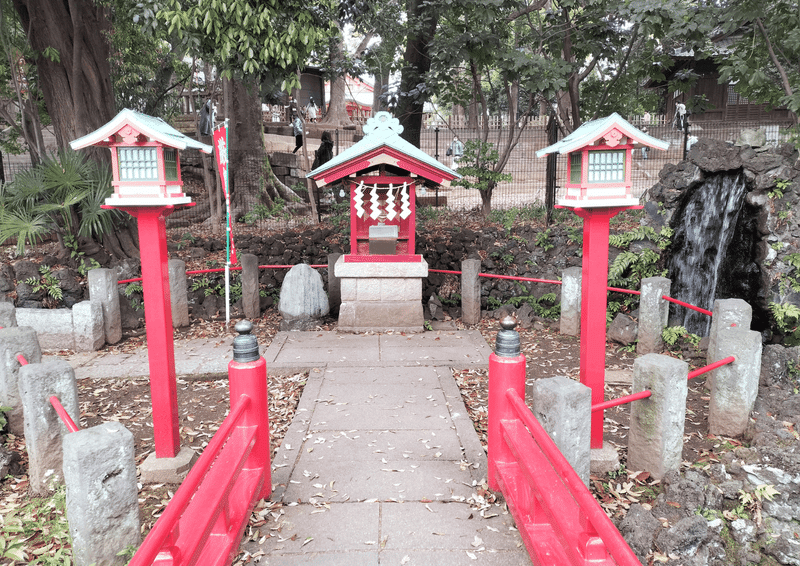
point(381, 296)
point(167, 470)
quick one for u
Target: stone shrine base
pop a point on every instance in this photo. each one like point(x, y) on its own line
point(381, 296)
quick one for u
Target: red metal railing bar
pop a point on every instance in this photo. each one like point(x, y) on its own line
point(21, 359)
point(62, 412)
point(629, 291)
point(172, 513)
point(221, 269)
point(687, 305)
point(709, 367)
point(612, 538)
point(511, 277)
point(621, 400)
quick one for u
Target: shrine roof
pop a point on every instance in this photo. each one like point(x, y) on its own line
point(154, 128)
point(592, 131)
point(382, 144)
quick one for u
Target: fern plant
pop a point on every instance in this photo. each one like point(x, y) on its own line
point(47, 283)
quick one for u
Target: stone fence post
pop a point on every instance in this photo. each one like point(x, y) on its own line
point(571, 296)
point(470, 291)
point(727, 313)
point(655, 439)
point(103, 289)
point(251, 302)
point(102, 506)
point(43, 427)
point(8, 316)
point(13, 341)
point(735, 386)
point(653, 314)
point(178, 293)
point(561, 406)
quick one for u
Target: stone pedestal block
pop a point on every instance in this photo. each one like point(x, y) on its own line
point(655, 440)
point(103, 289)
point(570, 323)
point(13, 341)
point(653, 315)
point(470, 291)
point(53, 327)
point(178, 293)
point(102, 506)
point(561, 405)
point(735, 386)
point(43, 427)
point(381, 296)
point(87, 325)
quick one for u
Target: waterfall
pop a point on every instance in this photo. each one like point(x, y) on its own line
point(704, 229)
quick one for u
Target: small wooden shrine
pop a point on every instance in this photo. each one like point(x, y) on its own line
point(381, 277)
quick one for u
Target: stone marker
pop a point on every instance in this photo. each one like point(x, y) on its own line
point(470, 291)
point(334, 285)
point(623, 329)
point(571, 295)
point(53, 327)
point(8, 317)
point(102, 506)
point(655, 439)
point(653, 315)
point(178, 293)
point(303, 301)
point(561, 405)
point(87, 326)
point(250, 286)
point(728, 313)
point(103, 289)
point(735, 386)
point(43, 427)
point(13, 341)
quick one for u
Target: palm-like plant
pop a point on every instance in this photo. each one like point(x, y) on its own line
point(62, 196)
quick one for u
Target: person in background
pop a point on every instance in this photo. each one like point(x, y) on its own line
point(325, 151)
point(311, 110)
point(455, 151)
point(297, 130)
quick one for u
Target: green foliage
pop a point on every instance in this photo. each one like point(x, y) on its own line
point(340, 217)
point(675, 337)
point(662, 238)
point(3, 419)
point(50, 197)
point(186, 240)
point(427, 325)
point(134, 293)
point(215, 285)
point(543, 240)
point(787, 320)
point(48, 283)
point(263, 212)
point(41, 522)
point(545, 306)
point(478, 166)
point(507, 217)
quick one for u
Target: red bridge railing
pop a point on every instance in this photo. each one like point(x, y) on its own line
point(204, 522)
point(556, 514)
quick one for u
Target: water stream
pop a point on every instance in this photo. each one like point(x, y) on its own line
point(706, 224)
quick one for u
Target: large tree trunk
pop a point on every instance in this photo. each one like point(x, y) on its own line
point(76, 87)
point(379, 88)
point(417, 62)
point(336, 114)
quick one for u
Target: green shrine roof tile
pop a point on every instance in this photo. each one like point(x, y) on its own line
point(154, 128)
point(591, 131)
point(383, 130)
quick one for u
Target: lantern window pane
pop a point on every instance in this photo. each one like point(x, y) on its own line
point(575, 168)
point(171, 163)
point(606, 166)
point(137, 163)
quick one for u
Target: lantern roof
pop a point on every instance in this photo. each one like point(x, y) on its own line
point(591, 131)
point(382, 144)
point(153, 128)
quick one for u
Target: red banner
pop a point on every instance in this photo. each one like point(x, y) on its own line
point(221, 153)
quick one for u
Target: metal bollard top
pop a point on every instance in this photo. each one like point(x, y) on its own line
point(507, 344)
point(245, 346)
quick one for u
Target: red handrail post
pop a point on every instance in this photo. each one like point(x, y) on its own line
point(506, 371)
point(247, 375)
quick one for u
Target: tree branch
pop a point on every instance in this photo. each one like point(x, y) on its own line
point(787, 88)
point(526, 10)
point(620, 70)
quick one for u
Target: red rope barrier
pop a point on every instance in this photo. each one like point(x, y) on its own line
point(21, 359)
point(62, 412)
point(709, 367)
point(629, 291)
point(221, 269)
point(687, 305)
point(493, 276)
point(621, 400)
